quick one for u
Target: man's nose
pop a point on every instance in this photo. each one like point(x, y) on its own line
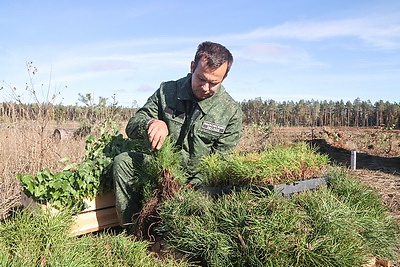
point(205, 86)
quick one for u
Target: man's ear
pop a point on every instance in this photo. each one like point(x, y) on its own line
point(192, 67)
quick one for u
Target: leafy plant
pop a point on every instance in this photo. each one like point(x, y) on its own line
point(93, 175)
point(80, 180)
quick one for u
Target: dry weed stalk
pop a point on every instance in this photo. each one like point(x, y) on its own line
point(21, 153)
point(10, 195)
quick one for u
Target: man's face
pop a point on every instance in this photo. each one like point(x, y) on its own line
point(206, 80)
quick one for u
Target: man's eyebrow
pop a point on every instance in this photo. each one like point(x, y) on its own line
point(201, 77)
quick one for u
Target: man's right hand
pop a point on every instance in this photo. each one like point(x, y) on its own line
point(157, 131)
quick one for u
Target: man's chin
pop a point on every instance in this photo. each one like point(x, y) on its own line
point(202, 96)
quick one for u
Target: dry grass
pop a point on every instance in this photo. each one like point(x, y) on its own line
point(25, 150)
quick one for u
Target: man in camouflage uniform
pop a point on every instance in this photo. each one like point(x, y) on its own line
point(195, 111)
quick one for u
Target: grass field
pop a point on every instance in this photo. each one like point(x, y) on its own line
point(25, 148)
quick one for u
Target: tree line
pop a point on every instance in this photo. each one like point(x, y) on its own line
point(322, 113)
point(286, 113)
point(13, 112)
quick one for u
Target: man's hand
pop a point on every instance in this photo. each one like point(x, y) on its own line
point(157, 131)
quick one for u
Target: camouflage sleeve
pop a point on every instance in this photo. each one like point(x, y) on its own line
point(137, 125)
point(232, 134)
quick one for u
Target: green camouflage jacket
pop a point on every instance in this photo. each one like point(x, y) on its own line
point(199, 128)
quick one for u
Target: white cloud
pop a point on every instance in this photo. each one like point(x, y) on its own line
point(276, 53)
point(383, 33)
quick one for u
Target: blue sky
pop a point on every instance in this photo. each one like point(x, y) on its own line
point(283, 50)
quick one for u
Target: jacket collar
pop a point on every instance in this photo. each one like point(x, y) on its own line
point(185, 88)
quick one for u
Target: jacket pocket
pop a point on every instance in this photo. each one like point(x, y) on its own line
point(207, 136)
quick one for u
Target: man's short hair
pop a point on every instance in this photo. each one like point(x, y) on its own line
point(215, 54)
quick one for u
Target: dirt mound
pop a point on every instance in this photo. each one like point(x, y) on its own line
point(342, 156)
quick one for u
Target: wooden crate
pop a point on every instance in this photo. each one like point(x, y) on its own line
point(99, 215)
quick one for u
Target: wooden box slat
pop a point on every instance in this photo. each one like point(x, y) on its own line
point(102, 201)
point(99, 214)
point(94, 220)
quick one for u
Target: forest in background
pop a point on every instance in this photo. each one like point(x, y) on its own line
point(322, 113)
point(286, 113)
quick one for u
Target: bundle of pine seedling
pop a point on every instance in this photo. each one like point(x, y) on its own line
point(41, 238)
point(162, 176)
point(278, 164)
point(344, 224)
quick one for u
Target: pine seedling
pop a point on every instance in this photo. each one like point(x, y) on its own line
point(167, 158)
point(380, 232)
point(313, 228)
point(275, 165)
point(42, 239)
